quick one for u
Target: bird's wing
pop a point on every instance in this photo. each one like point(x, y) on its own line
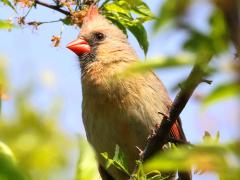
point(177, 132)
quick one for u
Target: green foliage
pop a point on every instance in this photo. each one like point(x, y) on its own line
point(160, 63)
point(151, 175)
point(8, 165)
point(117, 161)
point(215, 42)
point(170, 11)
point(122, 12)
point(6, 24)
point(220, 158)
point(219, 32)
point(141, 35)
point(87, 166)
point(209, 156)
point(8, 3)
point(221, 92)
point(40, 147)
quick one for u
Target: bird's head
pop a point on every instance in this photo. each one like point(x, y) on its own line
point(98, 39)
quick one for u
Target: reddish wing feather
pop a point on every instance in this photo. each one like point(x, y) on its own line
point(177, 131)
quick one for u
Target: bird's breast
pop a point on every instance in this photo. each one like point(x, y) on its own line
point(121, 112)
point(114, 116)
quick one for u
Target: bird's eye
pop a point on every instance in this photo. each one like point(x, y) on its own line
point(99, 36)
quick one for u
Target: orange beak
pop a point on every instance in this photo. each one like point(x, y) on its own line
point(79, 46)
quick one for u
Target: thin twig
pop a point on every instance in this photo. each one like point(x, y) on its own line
point(194, 79)
point(56, 8)
point(42, 22)
point(28, 12)
point(207, 81)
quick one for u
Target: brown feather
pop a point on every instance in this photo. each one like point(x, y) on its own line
point(119, 111)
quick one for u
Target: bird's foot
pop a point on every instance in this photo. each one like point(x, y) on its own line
point(140, 151)
point(153, 131)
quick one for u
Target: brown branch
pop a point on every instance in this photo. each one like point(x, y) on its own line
point(194, 79)
point(156, 141)
point(56, 8)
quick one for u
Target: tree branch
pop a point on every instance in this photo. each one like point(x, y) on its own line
point(196, 77)
point(56, 8)
point(156, 141)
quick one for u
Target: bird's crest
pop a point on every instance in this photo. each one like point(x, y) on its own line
point(91, 14)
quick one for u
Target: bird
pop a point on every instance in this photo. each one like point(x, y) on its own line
point(117, 110)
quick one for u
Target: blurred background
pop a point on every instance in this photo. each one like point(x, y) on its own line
point(41, 104)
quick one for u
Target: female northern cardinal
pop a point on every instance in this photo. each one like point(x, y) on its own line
point(117, 111)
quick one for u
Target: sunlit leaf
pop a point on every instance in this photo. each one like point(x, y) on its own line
point(222, 92)
point(118, 7)
point(219, 33)
point(6, 151)
point(119, 158)
point(36, 135)
point(87, 166)
point(142, 9)
point(158, 63)
point(216, 41)
point(207, 138)
point(8, 3)
point(120, 13)
point(169, 11)
point(117, 161)
point(6, 24)
point(118, 24)
point(8, 165)
point(141, 35)
point(198, 42)
point(206, 157)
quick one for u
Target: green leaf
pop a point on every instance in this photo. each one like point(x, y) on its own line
point(8, 3)
point(8, 166)
point(67, 21)
point(87, 166)
point(104, 3)
point(169, 11)
point(207, 138)
point(120, 13)
point(118, 7)
point(6, 24)
point(117, 161)
point(6, 151)
point(219, 33)
point(140, 174)
point(222, 92)
point(143, 9)
point(119, 158)
point(158, 63)
point(213, 157)
point(216, 41)
point(198, 42)
point(118, 24)
point(141, 35)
